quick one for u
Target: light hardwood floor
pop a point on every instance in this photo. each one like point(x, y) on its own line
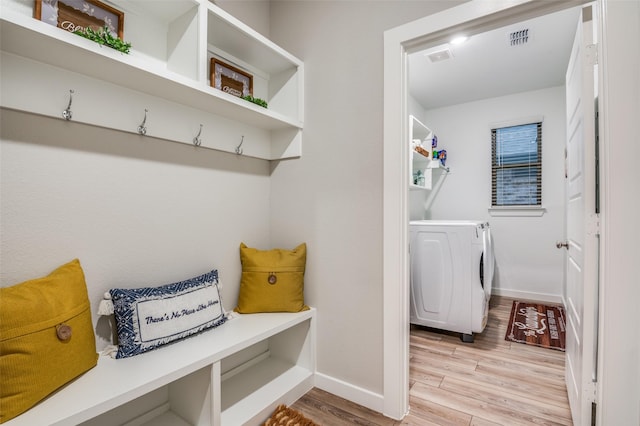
point(488, 382)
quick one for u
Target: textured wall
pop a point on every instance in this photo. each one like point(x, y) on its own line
point(332, 196)
point(136, 211)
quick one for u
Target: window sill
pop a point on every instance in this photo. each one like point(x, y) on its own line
point(513, 211)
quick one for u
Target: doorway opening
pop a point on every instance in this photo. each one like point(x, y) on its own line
point(472, 19)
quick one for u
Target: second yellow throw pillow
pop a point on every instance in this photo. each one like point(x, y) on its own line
point(272, 280)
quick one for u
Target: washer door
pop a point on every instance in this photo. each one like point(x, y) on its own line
point(432, 277)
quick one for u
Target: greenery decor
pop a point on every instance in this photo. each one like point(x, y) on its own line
point(256, 101)
point(104, 37)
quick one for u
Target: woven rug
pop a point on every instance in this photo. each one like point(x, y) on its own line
point(537, 324)
point(284, 416)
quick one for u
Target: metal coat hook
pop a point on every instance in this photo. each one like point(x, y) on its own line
point(239, 147)
point(197, 141)
point(142, 129)
point(67, 112)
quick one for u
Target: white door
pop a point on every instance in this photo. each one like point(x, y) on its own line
point(582, 222)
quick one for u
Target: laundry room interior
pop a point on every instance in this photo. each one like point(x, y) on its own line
point(492, 82)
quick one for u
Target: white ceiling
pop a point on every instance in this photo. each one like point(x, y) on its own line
point(487, 66)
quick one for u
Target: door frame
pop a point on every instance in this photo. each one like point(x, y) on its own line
point(471, 18)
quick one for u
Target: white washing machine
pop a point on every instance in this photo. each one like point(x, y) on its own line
point(452, 265)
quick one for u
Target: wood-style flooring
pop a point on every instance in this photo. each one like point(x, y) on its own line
point(488, 382)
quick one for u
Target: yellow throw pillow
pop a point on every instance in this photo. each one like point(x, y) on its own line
point(46, 337)
point(272, 280)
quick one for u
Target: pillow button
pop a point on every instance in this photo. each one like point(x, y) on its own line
point(64, 332)
point(272, 279)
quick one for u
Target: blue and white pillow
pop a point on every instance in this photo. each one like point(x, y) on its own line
point(153, 316)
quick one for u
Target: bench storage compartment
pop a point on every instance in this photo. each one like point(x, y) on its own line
point(234, 374)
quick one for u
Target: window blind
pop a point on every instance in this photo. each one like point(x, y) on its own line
point(516, 165)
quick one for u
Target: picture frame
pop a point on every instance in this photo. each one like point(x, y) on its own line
point(230, 79)
point(72, 15)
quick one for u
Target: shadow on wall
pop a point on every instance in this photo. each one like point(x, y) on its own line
point(496, 276)
point(29, 128)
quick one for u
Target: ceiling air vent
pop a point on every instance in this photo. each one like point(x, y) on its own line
point(440, 55)
point(520, 37)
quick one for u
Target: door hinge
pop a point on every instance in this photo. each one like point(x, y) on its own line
point(592, 54)
point(591, 392)
point(593, 224)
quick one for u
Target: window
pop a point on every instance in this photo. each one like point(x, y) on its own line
point(516, 165)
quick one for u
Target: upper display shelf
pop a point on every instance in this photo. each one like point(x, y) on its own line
point(173, 44)
point(232, 36)
point(418, 130)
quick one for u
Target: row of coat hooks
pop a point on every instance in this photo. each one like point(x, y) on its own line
point(67, 114)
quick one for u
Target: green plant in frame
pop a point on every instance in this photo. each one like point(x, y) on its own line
point(256, 101)
point(104, 37)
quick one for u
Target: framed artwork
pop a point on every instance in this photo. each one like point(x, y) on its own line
point(230, 79)
point(72, 15)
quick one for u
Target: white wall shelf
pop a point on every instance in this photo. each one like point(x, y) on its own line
point(271, 354)
point(418, 132)
point(420, 162)
point(172, 43)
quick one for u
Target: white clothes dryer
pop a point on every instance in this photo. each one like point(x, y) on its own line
point(452, 266)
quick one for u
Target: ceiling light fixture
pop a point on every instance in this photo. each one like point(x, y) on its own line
point(459, 40)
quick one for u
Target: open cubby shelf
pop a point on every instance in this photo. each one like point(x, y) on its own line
point(169, 64)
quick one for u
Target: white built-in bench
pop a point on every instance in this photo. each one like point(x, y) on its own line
point(232, 375)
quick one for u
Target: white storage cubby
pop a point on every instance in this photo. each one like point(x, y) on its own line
point(235, 374)
point(419, 161)
point(166, 72)
point(422, 163)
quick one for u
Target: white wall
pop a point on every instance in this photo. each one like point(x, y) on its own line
point(332, 196)
point(619, 369)
point(416, 109)
point(254, 13)
point(528, 263)
point(136, 211)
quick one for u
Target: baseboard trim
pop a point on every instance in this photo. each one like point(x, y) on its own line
point(350, 392)
point(529, 295)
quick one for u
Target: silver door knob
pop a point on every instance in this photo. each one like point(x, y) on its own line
point(560, 244)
